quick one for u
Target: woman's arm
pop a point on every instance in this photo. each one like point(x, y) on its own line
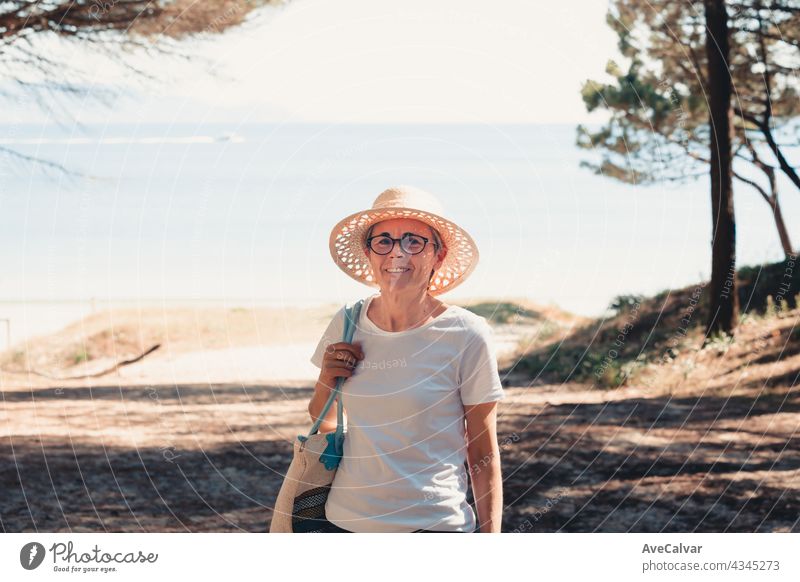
point(483, 456)
point(322, 391)
point(338, 361)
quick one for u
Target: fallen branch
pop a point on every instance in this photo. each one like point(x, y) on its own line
point(113, 368)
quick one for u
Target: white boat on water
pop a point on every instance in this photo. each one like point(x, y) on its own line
point(230, 136)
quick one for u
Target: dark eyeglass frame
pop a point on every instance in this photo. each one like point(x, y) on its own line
point(400, 240)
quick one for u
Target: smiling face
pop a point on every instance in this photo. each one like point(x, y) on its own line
point(399, 271)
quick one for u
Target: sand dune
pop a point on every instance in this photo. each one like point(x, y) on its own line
point(203, 345)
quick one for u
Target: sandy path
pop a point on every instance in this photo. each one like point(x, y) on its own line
point(237, 364)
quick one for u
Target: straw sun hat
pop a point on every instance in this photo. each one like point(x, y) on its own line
point(347, 238)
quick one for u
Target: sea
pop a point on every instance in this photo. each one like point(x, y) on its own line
point(239, 214)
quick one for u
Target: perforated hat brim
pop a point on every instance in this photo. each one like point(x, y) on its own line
point(347, 246)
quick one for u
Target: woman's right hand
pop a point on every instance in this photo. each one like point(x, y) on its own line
point(339, 360)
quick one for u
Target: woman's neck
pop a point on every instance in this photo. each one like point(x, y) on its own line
point(397, 313)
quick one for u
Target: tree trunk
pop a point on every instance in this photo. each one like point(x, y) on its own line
point(775, 205)
point(782, 232)
point(723, 301)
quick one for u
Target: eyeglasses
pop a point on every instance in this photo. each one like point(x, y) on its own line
point(413, 244)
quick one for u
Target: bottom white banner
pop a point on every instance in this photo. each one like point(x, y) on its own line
point(370, 557)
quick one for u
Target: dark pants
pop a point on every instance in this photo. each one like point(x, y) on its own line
point(332, 528)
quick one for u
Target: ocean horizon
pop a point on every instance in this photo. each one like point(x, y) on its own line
point(242, 213)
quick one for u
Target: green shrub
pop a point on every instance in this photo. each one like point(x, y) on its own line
point(718, 341)
point(81, 356)
point(503, 312)
point(625, 303)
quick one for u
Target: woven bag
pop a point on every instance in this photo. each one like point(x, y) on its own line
point(300, 506)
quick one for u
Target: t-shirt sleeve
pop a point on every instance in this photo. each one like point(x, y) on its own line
point(479, 379)
point(332, 335)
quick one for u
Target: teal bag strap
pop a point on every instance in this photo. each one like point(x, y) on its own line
point(351, 315)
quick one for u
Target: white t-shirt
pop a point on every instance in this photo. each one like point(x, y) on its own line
point(403, 465)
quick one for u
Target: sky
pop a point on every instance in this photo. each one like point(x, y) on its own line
point(370, 61)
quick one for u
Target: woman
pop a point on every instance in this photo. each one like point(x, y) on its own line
point(422, 385)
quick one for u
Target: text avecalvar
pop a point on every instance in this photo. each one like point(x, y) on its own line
point(671, 549)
